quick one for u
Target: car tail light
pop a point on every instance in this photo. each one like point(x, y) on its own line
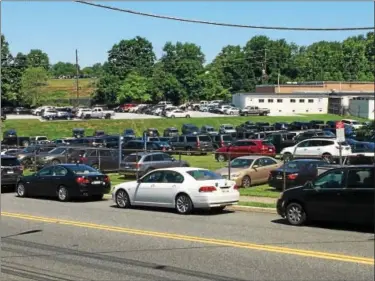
point(235, 187)
point(82, 180)
point(207, 189)
point(292, 176)
point(221, 143)
point(164, 148)
point(138, 165)
point(83, 159)
point(198, 143)
point(107, 179)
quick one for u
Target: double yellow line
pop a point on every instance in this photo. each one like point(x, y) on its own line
point(227, 243)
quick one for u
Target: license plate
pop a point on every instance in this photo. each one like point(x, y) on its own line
point(225, 190)
point(10, 172)
point(279, 177)
point(96, 182)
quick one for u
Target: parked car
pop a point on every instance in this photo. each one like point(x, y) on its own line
point(328, 149)
point(206, 129)
point(189, 129)
point(221, 140)
point(78, 132)
point(177, 113)
point(65, 181)
point(227, 129)
point(198, 144)
point(22, 110)
point(354, 123)
point(281, 140)
point(151, 132)
point(344, 194)
point(139, 164)
point(134, 146)
point(28, 154)
point(170, 132)
point(129, 133)
point(183, 189)
point(249, 170)
point(297, 125)
point(254, 110)
point(297, 173)
point(49, 114)
point(314, 134)
point(11, 138)
point(245, 148)
point(101, 159)
point(281, 126)
point(55, 156)
point(11, 171)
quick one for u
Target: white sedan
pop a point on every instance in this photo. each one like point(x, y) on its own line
point(177, 113)
point(182, 188)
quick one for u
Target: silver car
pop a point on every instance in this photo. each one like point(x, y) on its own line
point(144, 162)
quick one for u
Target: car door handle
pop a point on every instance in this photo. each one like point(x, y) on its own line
point(152, 185)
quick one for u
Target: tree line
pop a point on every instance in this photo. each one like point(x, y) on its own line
point(133, 73)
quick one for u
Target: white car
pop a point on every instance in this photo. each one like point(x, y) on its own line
point(227, 129)
point(177, 113)
point(317, 147)
point(354, 123)
point(181, 188)
point(232, 111)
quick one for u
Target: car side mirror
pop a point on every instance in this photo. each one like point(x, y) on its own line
point(256, 166)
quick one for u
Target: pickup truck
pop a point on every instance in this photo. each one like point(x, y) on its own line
point(100, 113)
point(254, 110)
point(10, 138)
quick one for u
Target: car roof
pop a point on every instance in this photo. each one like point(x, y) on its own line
point(8, 157)
point(253, 157)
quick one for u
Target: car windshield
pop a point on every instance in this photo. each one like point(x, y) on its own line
point(42, 138)
point(57, 150)
point(132, 158)
point(227, 138)
point(204, 175)
point(240, 163)
point(173, 130)
point(83, 170)
point(10, 162)
point(204, 138)
point(228, 127)
point(329, 134)
point(342, 143)
point(355, 123)
point(129, 131)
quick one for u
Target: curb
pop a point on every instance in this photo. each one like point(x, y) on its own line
point(235, 208)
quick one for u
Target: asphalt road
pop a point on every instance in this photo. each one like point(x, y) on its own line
point(49, 240)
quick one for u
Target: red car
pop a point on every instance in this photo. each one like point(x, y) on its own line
point(245, 147)
point(127, 106)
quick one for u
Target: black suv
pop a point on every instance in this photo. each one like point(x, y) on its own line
point(198, 143)
point(281, 140)
point(344, 194)
point(11, 170)
point(134, 146)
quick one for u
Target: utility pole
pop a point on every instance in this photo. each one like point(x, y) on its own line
point(264, 70)
point(77, 78)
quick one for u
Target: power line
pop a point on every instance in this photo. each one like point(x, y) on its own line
point(223, 24)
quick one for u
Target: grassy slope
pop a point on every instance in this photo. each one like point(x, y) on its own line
point(66, 88)
point(64, 128)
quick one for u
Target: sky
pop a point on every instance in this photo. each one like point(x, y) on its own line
point(58, 28)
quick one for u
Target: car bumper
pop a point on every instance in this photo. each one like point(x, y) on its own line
point(216, 200)
point(9, 180)
point(280, 207)
point(279, 183)
point(90, 191)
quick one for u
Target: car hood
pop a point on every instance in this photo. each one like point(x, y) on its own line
point(224, 171)
point(125, 185)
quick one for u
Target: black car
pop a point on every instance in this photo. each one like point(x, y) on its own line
point(78, 132)
point(99, 133)
point(297, 126)
point(281, 126)
point(170, 132)
point(343, 194)
point(65, 181)
point(151, 132)
point(314, 134)
point(129, 133)
point(11, 170)
point(189, 129)
point(297, 172)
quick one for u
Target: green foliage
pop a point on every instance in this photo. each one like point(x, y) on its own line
point(134, 88)
point(32, 80)
point(36, 58)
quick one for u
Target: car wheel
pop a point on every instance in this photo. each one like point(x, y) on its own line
point(63, 194)
point(246, 181)
point(221, 158)
point(21, 190)
point(122, 199)
point(295, 214)
point(55, 162)
point(287, 156)
point(184, 206)
point(327, 157)
point(188, 116)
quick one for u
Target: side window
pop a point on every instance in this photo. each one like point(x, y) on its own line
point(167, 157)
point(153, 177)
point(172, 177)
point(360, 178)
point(147, 159)
point(191, 139)
point(304, 144)
point(92, 153)
point(332, 179)
point(315, 143)
point(157, 157)
point(257, 163)
point(269, 162)
point(174, 139)
point(46, 171)
point(60, 171)
point(326, 143)
point(181, 139)
point(130, 145)
point(105, 153)
point(250, 143)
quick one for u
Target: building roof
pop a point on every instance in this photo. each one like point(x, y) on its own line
point(289, 95)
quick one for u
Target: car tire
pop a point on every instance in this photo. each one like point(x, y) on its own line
point(63, 194)
point(327, 157)
point(295, 214)
point(246, 182)
point(122, 199)
point(221, 158)
point(183, 204)
point(21, 190)
point(287, 156)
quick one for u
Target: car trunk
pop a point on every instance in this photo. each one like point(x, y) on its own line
point(221, 185)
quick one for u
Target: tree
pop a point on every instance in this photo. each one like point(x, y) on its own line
point(107, 90)
point(135, 55)
point(7, 73)
point(134, 88)
point(63, 69)
point(36, 58)
point(32, 80)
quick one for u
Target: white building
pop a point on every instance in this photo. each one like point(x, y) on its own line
point(338, 102)
point(362, 107)
point(298, 102)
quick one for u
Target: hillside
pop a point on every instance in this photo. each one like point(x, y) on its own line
point(66, 88)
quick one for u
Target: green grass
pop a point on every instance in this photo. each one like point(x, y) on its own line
point(260, 191)
point(66, 88)
point(257, 204)
point(64, 128)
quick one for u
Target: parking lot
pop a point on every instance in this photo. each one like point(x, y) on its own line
point(71, 241)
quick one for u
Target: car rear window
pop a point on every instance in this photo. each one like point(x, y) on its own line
point(342, 143)
point(267, 143)
point(204, 175)
point(132, 158)
point(83, 170)
point(10, 162)
point(204, 138)
point(173, 130)
point(228, 127)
